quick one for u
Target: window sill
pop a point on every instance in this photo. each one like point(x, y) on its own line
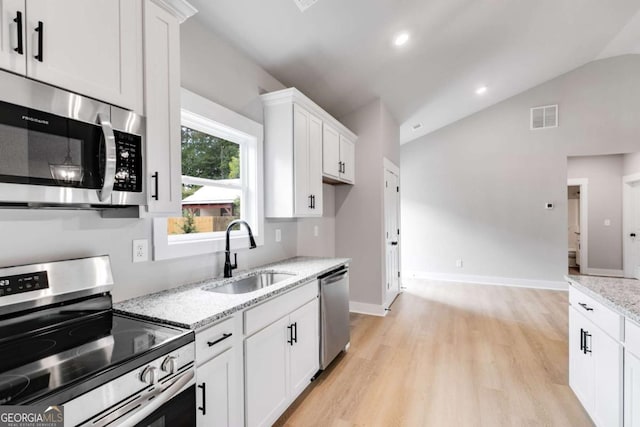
point(164, 248)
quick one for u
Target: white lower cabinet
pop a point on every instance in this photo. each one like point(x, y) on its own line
point(631, 390)
point(595, 368)
point(219, 400)
point(280, 361)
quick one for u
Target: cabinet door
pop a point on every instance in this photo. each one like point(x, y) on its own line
point(347, 157)
point(631, 390)
point(302, 194)
point(162, 101)
point(581, 377)
point(607, 363)
point(90, 47)
point(12, 19)
point(330, 152)
point(266, 374)
point(305, 352)
point(216, 393)
point(315, 164)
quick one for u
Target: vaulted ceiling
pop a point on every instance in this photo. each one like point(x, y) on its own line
point(341, 52)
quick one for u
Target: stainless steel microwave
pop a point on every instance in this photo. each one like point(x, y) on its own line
point(61, 149)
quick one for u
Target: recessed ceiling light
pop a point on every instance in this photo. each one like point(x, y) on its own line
point(401, 39)
point(481, 90)
point(416, 126)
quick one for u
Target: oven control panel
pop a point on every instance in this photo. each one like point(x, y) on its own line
point(128, 162)
point(11, 285)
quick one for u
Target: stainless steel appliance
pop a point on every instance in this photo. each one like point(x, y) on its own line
point(334, 314)
point(61, 344)
point(61, 149)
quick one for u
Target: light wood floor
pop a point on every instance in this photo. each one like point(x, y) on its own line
point(451, 355)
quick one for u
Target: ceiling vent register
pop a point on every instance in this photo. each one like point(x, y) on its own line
point(544, 117)
point(304, 4)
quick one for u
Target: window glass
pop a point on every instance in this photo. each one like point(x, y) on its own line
point(211, 184)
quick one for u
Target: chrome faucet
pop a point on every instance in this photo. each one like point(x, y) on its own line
point(228, 267)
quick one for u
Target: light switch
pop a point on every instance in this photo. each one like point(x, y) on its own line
point(278, 235)
point(315, 231)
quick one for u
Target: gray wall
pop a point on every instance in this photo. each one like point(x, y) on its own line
point(359, 208)
point(631, 163)
point(476, 189)
point(605, 202)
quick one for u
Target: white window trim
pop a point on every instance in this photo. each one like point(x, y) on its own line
point(206, 116)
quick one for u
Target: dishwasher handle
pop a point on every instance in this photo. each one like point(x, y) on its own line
point(334, 277)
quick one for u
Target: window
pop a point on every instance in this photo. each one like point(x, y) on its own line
point(221, 181)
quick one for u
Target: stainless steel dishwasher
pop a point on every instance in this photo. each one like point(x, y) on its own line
point(334, 314)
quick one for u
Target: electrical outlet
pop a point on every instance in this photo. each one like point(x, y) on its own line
point(459, 263)
point(140, 250)
point(316, 231)
point(278, 235)
point(607, 222)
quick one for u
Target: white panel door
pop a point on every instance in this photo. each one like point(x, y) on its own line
point(348, 159)
point(607, 362)
point(12, 31)
point(90, 47)
point(331, 152)
point(162, 101)
point(266, 374)
point(315, 164)
point(305, 352)
point(631, 390)
point(631, 200)
point(392, 238)
point(302, 193)
point(217, 384)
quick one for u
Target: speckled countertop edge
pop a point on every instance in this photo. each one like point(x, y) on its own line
point(621, 295)
point(190, 306)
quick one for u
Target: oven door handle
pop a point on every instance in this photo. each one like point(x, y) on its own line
point(141, 410)
point(110, 158)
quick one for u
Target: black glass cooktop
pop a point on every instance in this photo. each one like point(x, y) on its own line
point(44, 362)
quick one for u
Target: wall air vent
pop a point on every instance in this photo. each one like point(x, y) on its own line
point(544, 117)
point(304, 4)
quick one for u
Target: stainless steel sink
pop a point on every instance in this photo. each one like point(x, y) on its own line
point(251, 283)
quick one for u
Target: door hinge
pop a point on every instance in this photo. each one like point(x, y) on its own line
point(398, 274)
point(397, 189)
point(398, 231)
point(386, 184)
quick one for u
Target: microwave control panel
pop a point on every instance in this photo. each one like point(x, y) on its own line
point(11, 285)
point(128, 162)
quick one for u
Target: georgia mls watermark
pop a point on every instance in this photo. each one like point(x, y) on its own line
point(31, 416)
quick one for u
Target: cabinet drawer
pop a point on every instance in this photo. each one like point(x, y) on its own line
point(272, 310)
point(603, 317)
point(632, 337)
point(215, 339)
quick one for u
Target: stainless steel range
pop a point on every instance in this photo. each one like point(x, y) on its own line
point(61, 344)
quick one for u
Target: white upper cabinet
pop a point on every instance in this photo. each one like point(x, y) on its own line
point(302, 144)
point(331, 165)
point(338, 157)
point(90, 47)
point(162, 110)
point(13, 33)
point(347, 160)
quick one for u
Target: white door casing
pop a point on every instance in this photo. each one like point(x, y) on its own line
point(631, 225)
point(583, 250)
point(391, 231)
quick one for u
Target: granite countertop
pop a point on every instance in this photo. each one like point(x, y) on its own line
point(191, 306)
point(621, 295)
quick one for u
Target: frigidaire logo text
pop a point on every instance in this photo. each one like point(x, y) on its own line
point(33, 119)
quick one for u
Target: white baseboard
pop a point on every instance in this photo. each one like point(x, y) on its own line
point(491, 280)
point(604, 272)
point(364, 308)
